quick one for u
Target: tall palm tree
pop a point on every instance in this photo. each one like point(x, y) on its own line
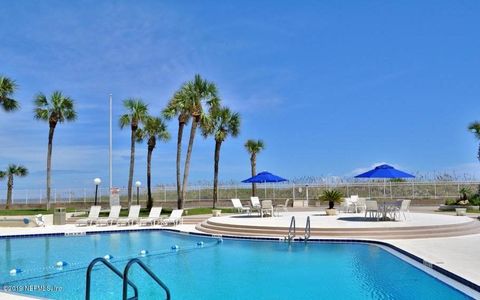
point(7, 89)
point(58, 109)
point(12, 170)
point(254, 147)
point(137, 113)
point(475, 129)
point(221, 123)
point(154, 128)
point(188, 102)
point(177, 107)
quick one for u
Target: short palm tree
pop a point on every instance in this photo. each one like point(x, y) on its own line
point(56, 109)
point(137, 113)
point(12, 170)
point(188, 102)
point(154, 128)
point(7, 89)
point(254, 147)
point(221, 123)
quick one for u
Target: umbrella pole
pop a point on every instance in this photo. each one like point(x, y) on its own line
point(265, 185)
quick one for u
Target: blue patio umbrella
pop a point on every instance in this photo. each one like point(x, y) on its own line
point(385, 171)
point(264, 177)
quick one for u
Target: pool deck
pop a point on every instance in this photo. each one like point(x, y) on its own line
point(456, 254)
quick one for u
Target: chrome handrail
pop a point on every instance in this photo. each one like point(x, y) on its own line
point(113, 269)
point(148, 271)
point(307, 229)
point(292, 227)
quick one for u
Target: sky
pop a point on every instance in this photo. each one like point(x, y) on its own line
point(332, 87)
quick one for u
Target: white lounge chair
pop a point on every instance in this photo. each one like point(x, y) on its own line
point(256, 204)
point(133, 216)
point(112, 216)
point(371, 208)
point(92, 217)
point(175, 217)
point(237, 204)
point(267, 208)
point(153, 217)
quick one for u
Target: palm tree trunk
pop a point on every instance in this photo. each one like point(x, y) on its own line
point(216, 158)
point(186, 169)
point(149, 173)
point(9, 191)
point(132, 165)
point(253, 162)
point(49, 161)
point(179, 157)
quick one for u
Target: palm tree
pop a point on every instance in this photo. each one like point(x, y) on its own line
point(58, 109)
point(221, 123)
point(154, 128)
point(187, 103)
point(475, 128)
point(254, 147)
point(137, 112)
point(7, 89)
point(12, 170)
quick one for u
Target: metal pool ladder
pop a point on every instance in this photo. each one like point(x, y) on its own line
point(291, 230)
point(307, 229)
point(126, 282)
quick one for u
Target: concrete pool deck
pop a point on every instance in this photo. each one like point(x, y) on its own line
point(456, 254)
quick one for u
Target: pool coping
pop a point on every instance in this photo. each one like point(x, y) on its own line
point(424, 263)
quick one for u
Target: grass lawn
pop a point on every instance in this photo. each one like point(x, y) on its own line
point(28, 212)
point(123, 213)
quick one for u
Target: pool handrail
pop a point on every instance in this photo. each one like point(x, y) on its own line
point(114, 270)
point(149, 272)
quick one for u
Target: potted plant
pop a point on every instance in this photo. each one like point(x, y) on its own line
point(332, 197)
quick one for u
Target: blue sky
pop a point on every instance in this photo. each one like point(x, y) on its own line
point(332, 88)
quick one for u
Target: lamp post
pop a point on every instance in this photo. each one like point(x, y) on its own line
point(97, 182)
point(138, 184)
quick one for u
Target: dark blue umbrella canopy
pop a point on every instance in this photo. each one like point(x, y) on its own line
point(384, 171)
point(264, 177)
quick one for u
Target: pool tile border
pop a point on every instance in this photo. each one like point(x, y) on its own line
point(418, 259)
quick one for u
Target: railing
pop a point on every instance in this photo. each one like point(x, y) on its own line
point(307, 229)
point(114, 270)
point(149, 272)
point(370, 189)
point(291, 230)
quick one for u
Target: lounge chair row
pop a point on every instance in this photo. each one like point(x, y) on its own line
point(133, 217)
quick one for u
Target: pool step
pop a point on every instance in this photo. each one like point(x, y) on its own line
point(466, 228)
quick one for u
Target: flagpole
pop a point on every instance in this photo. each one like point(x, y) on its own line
point(110, 150)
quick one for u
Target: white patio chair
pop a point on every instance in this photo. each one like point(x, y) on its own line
point(237, 204)
point(133, 216)
point(354, 202)
point(92, 216)
point(175, 217)
point(112, 216)
point(402, 209)
point(267, 208)
point(284, 207)
point(371, 208)
point(255, 203)
point(153, 217)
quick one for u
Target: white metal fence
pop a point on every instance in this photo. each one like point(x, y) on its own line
point(411, 190)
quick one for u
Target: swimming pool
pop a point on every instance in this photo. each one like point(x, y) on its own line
point(233, 269)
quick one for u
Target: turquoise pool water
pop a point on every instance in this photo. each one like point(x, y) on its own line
point(234, 269)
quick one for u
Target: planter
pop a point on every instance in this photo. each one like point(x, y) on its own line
point(461, 211)
point(331, 212)
point(216, 212)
